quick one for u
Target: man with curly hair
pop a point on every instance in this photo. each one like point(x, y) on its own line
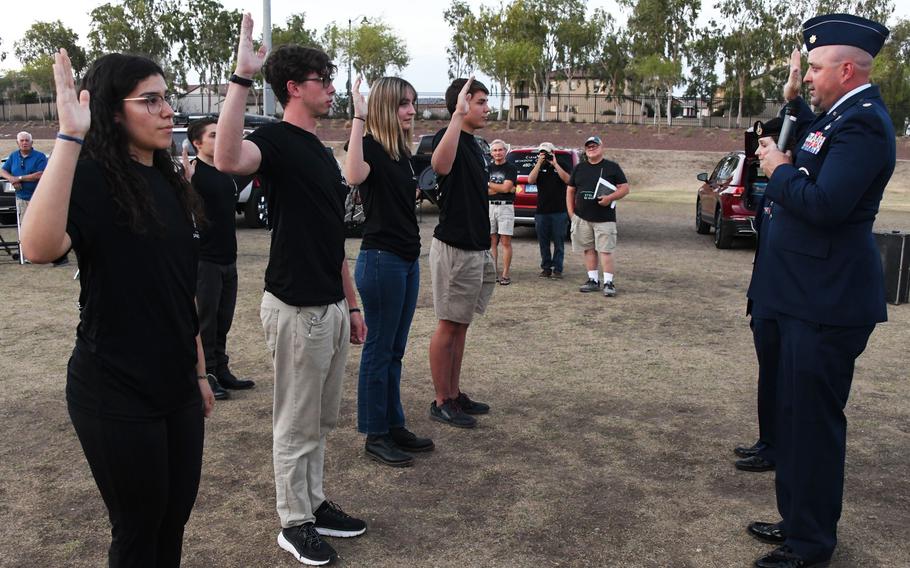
point(309, 308)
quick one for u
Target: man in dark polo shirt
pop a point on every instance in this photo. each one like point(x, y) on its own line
point(216, 280)
point(591, 195)
point(309, 308)
point(551, 218)
point(460, 262)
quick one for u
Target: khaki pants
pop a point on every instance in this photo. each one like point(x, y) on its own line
point(309, 348)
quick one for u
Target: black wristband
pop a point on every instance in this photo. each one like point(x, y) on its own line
point(242, 81)
point(360, 118)
point(352, 310)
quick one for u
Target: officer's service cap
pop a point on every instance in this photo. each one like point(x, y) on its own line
point(844, 29)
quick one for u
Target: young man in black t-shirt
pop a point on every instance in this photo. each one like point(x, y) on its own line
point(309, 306)
point(216, 281)
point(591, 196)
point(501, 187)
point(550, 218)
point(461, 267)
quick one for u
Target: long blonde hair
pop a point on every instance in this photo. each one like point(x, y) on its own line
point(386, 95)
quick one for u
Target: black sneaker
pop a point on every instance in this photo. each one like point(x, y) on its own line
point(227, 380)
point(471, 406)
point(306, 545)
point(450, 414)
point(332, 521)
point(590, 286)
point(545, 273)
point(409, 442)
point(609, 289)
point(217, 390)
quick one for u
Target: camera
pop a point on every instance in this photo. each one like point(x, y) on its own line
point(546, 156)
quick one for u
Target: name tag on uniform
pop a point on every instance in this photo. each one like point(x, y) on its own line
point(814, 142)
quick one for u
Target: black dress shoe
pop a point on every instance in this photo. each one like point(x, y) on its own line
point(767, 532)
point(755, 463)
point(220, 393)
point(784, 557)
point(382, 449)
point(749, 451)
point(409, 442)
point(227, 380)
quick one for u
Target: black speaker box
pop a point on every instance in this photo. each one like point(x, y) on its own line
point(895, 249)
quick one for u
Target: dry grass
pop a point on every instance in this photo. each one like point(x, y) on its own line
point(608, 445)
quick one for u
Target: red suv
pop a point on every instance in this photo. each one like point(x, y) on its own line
point(526, 194)
point(728, 197)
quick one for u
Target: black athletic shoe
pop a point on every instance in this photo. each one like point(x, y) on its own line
point(409, 442)
point(450, 414)
point(590, 286)
point(332, 521)
point(227, 380)
point(381, 448)
point(306, 545)
point(471, 406)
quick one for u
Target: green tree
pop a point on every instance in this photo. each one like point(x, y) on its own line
point(464, 41)
point(40, 73)
point(502, 55)
point(656, 73)
point(703, 80)
point(611, 66)
point(147, 27)
point(45, 38)
point(891, 72)
point(295, 31)
point(371, 46)
point(207, 35)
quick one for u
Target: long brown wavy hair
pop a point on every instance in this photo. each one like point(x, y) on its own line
point(386, 95)
point(110, 79)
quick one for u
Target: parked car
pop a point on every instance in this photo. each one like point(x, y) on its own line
point(728, 197)
point(526, 193)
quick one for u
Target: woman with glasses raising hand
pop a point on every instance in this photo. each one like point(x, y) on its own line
point(136, 388)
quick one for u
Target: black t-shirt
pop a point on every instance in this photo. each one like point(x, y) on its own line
point(219, 194)
point(464, 219)
point(499, 173)
point(135, 355)
point(306, 209)
point(584, 179)
point(551, 191)
point(388, 194)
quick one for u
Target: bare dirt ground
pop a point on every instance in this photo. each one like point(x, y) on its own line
point(609, 443)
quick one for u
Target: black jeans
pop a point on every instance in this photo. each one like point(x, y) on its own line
point(216, 297)
point(148, 475)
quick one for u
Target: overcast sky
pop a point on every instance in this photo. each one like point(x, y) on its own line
point(420, 23)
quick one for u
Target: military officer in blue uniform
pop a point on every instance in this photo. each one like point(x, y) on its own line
point(817, 278)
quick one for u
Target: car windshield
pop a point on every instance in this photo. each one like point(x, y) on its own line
point(524, 160)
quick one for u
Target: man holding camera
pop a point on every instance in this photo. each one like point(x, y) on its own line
point(591, 195)
point(550, 219)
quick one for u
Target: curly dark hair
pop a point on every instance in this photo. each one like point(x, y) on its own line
point(293, 62)
point(110, 79)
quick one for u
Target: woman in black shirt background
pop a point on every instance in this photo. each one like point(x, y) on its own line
point(136, 388)
point(387, 273)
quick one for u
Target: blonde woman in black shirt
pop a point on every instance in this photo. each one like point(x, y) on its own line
point(387, 272)
point(136, 388)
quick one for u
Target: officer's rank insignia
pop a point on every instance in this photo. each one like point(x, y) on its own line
point(812, 39)
point(867, 105)
point(814, 142)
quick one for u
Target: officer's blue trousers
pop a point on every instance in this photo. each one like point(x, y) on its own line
point(767, 349)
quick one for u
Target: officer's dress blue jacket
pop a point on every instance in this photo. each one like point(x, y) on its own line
point(817, 258)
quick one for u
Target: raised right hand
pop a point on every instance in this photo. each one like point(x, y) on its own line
point(360, 103)
point(795, 80)
point(73, 112)
point(464, 99)
point(249, 61)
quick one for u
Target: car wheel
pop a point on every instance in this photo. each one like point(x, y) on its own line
point(722, 237)
point(256, 210)
point(701, 226)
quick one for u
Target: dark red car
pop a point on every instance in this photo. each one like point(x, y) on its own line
point(525, 193)
point(728, 197)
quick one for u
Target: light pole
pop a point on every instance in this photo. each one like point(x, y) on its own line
point(350, 95)
point(268, 97)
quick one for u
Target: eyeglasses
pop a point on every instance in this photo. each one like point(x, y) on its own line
point(153, 103)
point(326, 80)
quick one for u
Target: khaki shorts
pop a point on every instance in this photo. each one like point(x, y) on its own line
point(598, 236)
point(463, 281)
point(502, 219)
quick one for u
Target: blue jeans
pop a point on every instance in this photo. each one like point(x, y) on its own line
point(551, 227)
point(388, 286)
